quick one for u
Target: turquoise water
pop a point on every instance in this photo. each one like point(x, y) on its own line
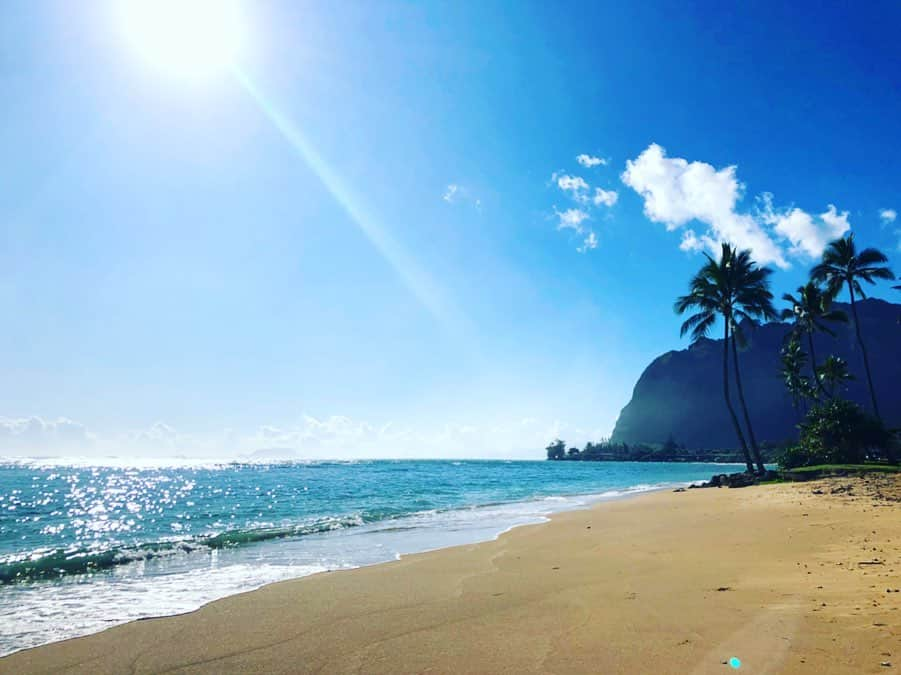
point(84, 547)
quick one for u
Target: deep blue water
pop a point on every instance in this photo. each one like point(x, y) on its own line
point(85, 547)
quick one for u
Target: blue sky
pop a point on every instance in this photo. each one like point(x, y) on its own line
point(372, 234)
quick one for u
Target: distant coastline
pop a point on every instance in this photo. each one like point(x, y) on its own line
point(670, 451)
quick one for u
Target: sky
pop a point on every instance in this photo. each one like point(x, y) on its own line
point(398, 229)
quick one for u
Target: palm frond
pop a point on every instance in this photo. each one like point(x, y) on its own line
point(692, 322)
point(835, 315)
point(871, 256)
point(702, 326)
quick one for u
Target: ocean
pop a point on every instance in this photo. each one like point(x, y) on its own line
point(88, 544)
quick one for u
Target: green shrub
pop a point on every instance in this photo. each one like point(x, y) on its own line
point(794, 456)
point(836, 432)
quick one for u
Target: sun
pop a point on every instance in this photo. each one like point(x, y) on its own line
point(192, 39)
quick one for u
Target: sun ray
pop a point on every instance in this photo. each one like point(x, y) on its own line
point(413, 276)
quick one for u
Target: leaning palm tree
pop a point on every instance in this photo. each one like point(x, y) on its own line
point(735, 289)
point(809, 311)
point(834, 372)
point(842, 266)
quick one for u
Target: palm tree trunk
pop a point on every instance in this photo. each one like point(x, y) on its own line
point(741, 437)
point(813, 363)
point(863, 350)
point(744, 409)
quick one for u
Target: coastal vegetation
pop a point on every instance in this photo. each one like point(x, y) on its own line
point(831, 429)
point(606, 450)
point(809, 312)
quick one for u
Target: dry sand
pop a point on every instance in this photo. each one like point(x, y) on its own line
point(663, 583)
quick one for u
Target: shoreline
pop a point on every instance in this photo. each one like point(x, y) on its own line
point(540, 510)
point(618, 554)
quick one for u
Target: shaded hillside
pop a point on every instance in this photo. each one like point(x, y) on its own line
point(681, 392)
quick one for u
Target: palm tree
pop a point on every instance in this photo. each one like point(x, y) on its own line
point(753, 303)
point(834, 372)
point(735, 289)
point(842, 265)
point(808, 311)
point(793, 361)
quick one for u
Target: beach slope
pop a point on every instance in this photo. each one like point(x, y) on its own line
point(784, 579)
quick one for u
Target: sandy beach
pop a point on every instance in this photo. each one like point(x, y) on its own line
point(791, 578)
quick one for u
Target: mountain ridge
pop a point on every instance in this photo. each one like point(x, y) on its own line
point(680, 393)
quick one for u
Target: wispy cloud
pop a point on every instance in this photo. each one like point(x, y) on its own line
point(455, 193)
point(571, 183)
point(579, 191)
point(693, 243)
point(589, 243)
point(605, 197)
point(571, 219)
point(575, 187)
point(590, 161)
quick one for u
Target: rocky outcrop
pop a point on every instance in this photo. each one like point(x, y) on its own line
point(681, 392)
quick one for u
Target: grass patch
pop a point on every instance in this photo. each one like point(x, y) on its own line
point(826, 468)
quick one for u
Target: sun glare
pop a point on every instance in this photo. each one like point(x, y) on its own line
point(185, 38)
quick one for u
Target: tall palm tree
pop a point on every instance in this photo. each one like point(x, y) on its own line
point(753, 303)
point(809, 311)
point(735, 289)
point(834, 372)
point(842, 266)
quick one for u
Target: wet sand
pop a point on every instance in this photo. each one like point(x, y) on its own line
point(786, 580)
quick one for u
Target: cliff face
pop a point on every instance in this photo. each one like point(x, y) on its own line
point(681, 392)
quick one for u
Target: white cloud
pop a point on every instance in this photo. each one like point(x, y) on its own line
point(575, 186)
point(887, 216)
point(578, 189)
point(333, 437)
point(605, 197)
point(455, 193)
point(589, 243)
point(589, 161)
point(571, 183)
point(343, 437)
point(571, 219)
point(34, 434)
point(691, 242)
point(676, 192)
point(807, 235)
